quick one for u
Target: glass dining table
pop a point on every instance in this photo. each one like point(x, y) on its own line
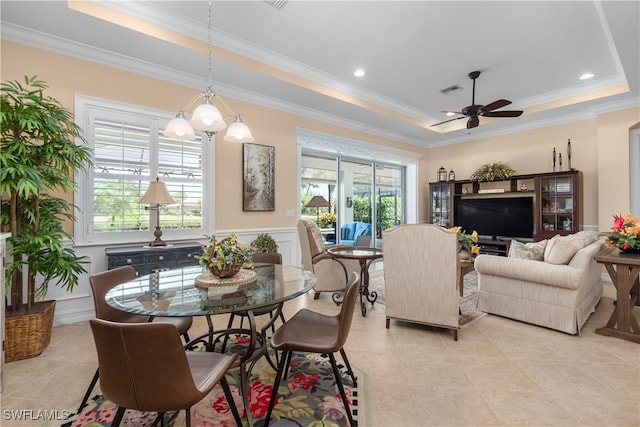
point(175, 293)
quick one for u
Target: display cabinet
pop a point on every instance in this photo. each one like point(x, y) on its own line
point(558, 204)
point(441, 203)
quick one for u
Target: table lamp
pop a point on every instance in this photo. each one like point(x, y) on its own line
point(318, 202)
point(157, 194)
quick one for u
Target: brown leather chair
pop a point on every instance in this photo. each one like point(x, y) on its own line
point(312, 332)
point(103, 282)
point(144, 366)
point(265, 258)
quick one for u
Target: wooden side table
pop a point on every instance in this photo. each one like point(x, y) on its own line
point(624, 269)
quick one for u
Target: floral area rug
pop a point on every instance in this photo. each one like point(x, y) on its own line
point(309, 397)
point(468, 310)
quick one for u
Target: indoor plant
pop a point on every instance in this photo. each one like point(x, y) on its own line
point(467, 243)
point(492, 171)
point(38, 156)
point(625, 233)
point(225, 257)
point(264, 243)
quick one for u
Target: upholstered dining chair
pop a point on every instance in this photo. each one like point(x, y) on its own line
point(421, 269)
point(312, 332)
point(331, 274)
point(101, 284)
point(144, 366)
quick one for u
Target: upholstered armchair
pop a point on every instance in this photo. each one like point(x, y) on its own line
point(331, 274)
point(421, 270)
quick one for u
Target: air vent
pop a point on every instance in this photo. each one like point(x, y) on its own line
point(278, 4)
point(449, 90)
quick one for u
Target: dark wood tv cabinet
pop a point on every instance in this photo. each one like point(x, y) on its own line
point(557, 202)
point(494, 247)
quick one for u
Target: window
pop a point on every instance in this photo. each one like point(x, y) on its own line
point(130, 151)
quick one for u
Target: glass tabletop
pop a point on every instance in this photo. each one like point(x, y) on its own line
point(174, 293)
point(356, 252)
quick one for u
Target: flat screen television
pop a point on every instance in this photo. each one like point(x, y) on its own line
point(496, 217)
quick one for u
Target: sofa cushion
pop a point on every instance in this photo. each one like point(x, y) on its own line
point(560, 249)
point(532, 251)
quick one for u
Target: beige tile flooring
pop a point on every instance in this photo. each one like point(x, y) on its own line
point(500, 372)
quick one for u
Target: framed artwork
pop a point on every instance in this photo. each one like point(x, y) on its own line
point(258, 177)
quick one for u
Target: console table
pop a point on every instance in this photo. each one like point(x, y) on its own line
point(148, 259)
point(624, 270)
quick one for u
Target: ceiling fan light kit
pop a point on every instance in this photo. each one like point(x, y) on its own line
point(475, 111)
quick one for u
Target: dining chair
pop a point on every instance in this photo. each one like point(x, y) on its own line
point(266, 258)
point(331, 275)
point(144, 366)
point(312, 332)
point(101, 284)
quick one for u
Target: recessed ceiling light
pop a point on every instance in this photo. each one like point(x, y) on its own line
point(359, 72)
point(450, 113)
point(587, 76)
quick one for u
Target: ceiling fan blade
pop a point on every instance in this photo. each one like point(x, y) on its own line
point(473, 122)
point(508, 113)
point(447, 121)
point(496, 104)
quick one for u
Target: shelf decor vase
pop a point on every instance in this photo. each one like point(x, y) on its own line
point(464, 255)
point(226, 271)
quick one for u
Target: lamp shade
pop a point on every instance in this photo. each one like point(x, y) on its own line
point(318, 202)
point(179, 128)
point(238, 132)
point(207, 118)
point(157, 193)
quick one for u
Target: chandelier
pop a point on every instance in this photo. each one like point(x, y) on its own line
point(206, 117)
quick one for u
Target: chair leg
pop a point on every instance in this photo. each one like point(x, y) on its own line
point(232, 404)
point(187, 417)
point(336, 373)
point(92, 385)
point(348, 365)
point(118, 417)
point(186, 337)
point(274, 394)
point(316, 295)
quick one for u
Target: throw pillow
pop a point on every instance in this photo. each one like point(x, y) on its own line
point(532, 251)
point(560, 250)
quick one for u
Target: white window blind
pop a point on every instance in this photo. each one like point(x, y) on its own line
point(130, 151)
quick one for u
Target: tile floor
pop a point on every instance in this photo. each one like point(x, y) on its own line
point(500, 373)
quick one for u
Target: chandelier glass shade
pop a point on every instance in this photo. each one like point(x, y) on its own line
point(206, 117)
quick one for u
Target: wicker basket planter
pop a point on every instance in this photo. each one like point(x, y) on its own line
point(227, 270)
point(28, 335)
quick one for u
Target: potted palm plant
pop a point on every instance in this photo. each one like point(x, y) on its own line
point(38, 155)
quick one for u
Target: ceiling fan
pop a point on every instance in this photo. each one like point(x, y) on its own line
point(473, 111)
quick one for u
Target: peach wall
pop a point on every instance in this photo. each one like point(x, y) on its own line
point(529, 152)
point(600, 149)
point(613, 163)
point(68, 76)
point(599, 144)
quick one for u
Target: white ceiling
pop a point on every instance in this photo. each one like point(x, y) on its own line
point(301, 58)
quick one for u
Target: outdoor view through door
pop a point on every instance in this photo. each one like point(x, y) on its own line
point(360, 193)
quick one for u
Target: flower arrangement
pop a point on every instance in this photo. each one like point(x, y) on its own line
point(625, 233)
point(327, 219)
point(224, 255)
point(492, 171)
point(468, 242)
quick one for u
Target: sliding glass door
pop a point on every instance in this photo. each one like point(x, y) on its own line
point(365, 197)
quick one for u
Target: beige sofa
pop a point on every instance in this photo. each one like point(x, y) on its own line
point(554, 283)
